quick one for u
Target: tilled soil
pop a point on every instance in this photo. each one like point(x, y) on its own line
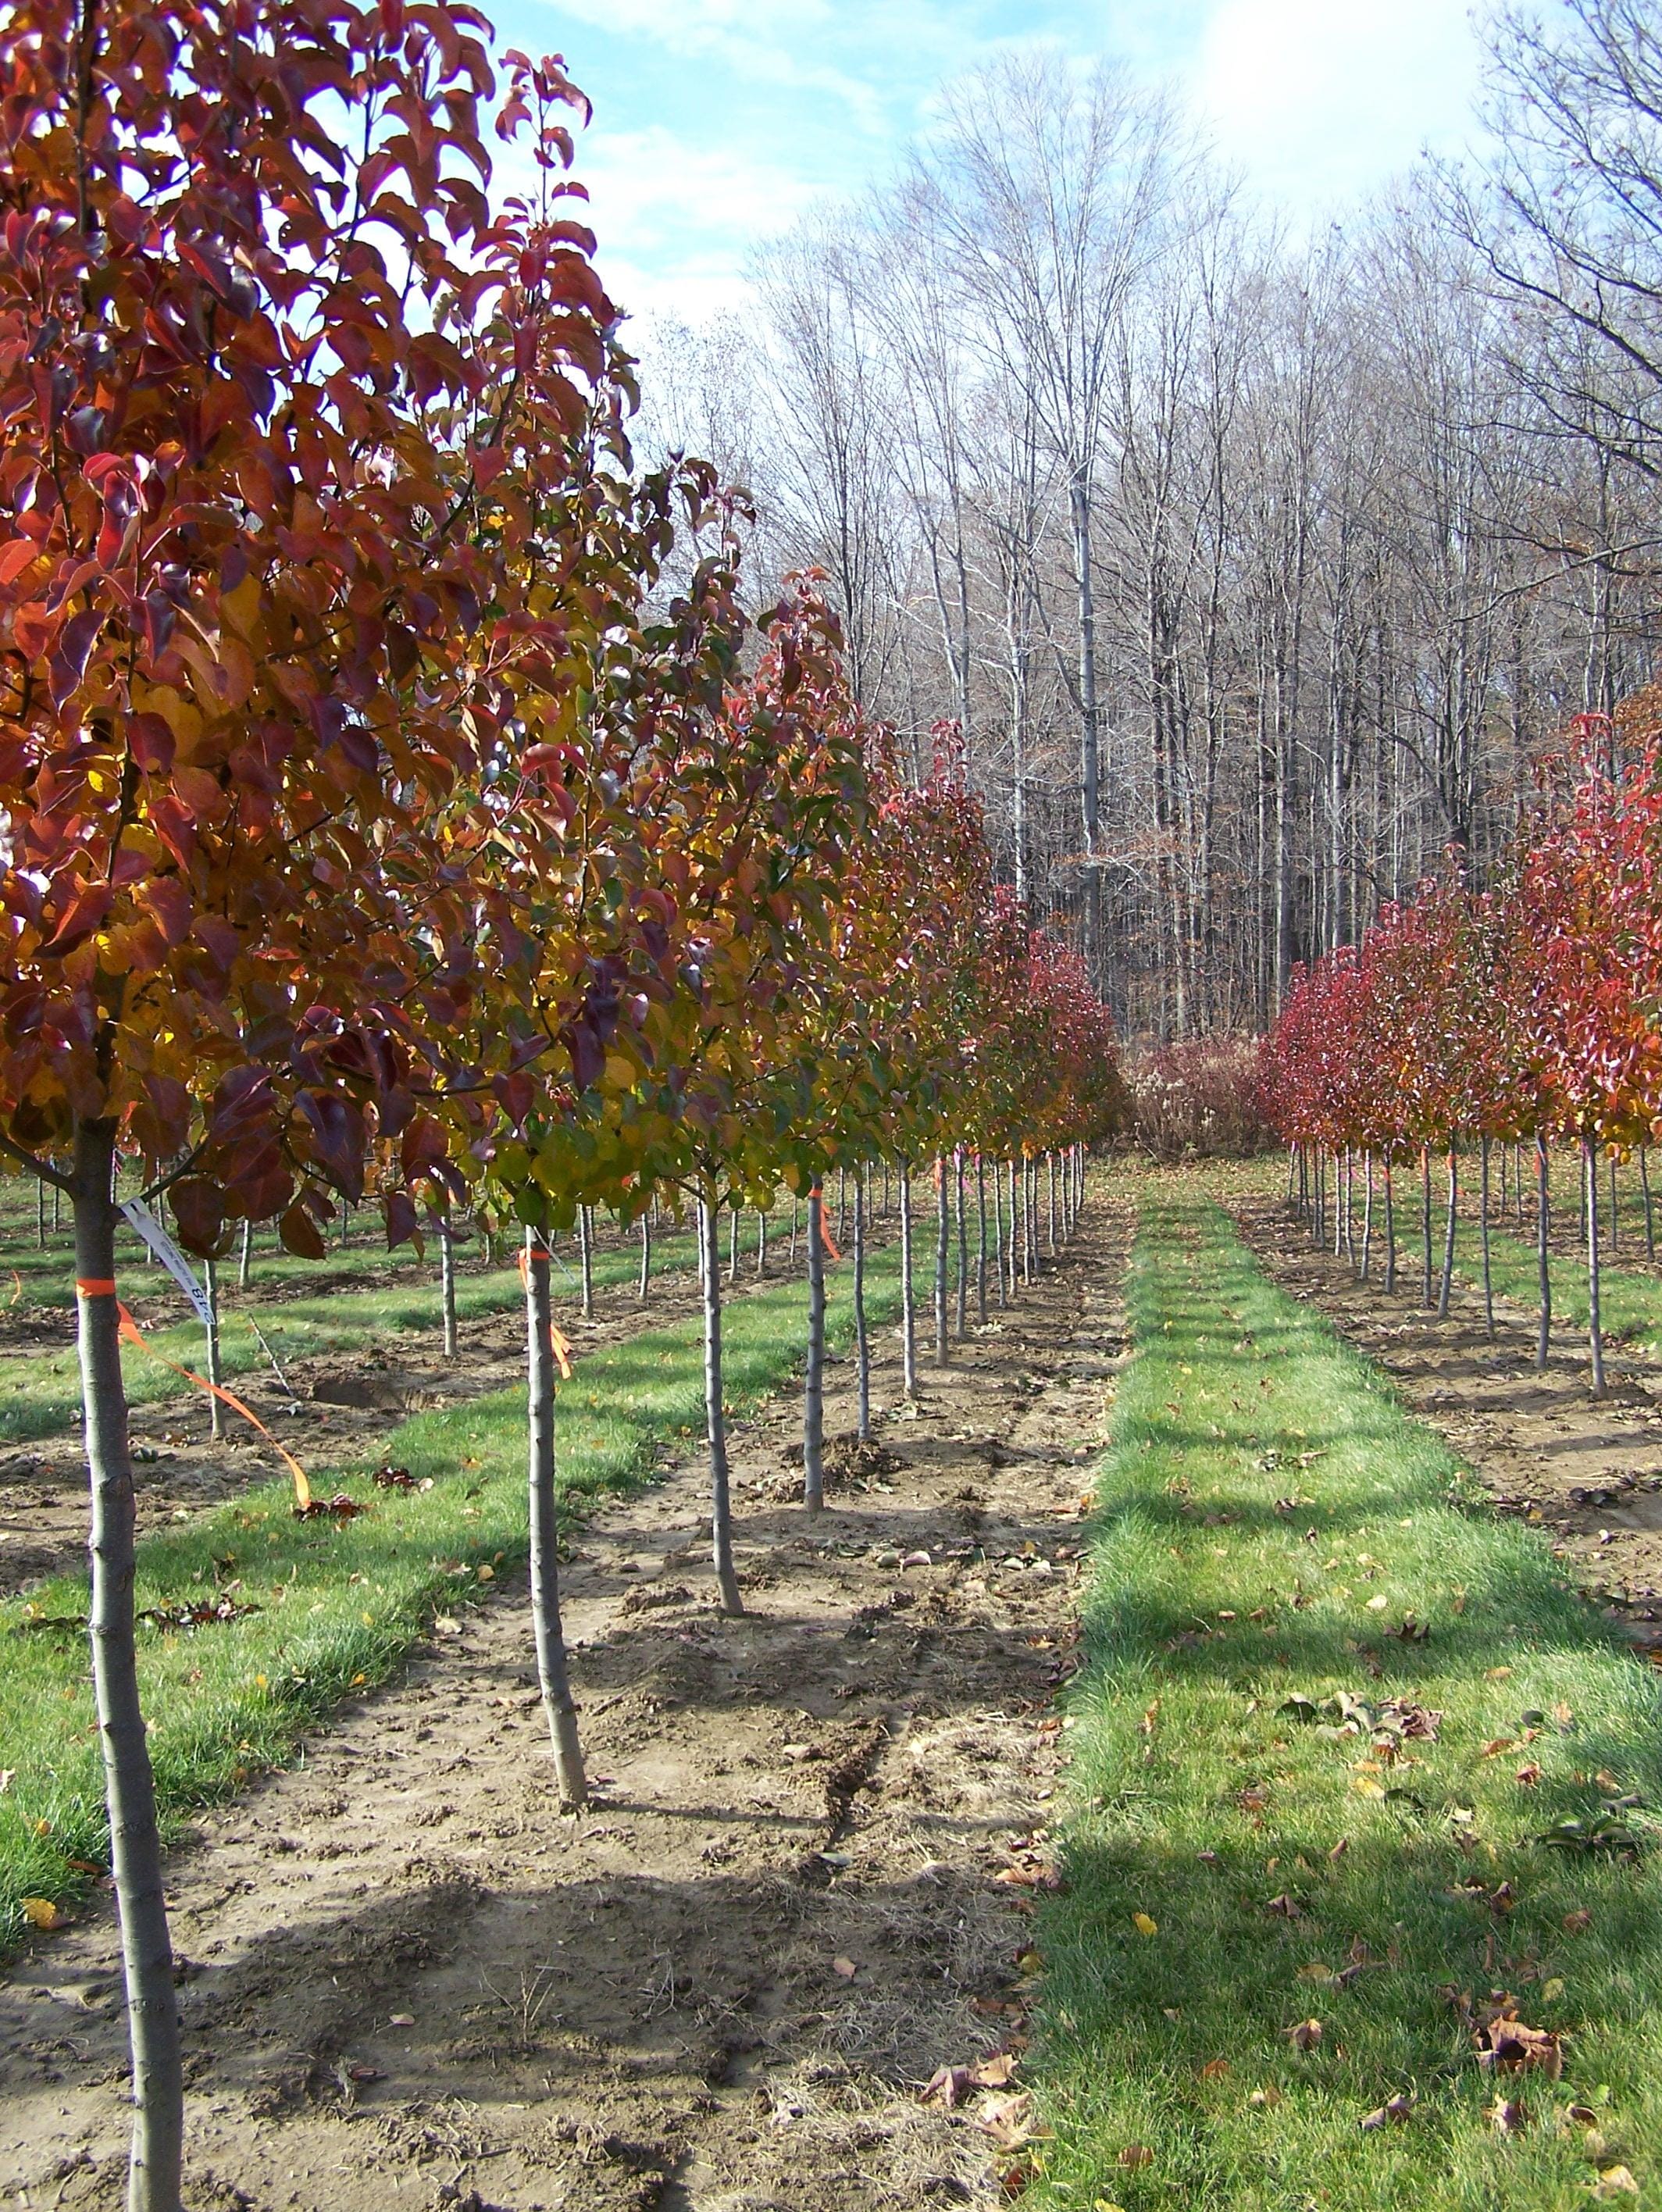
point(801, 1888)
point(331, 1413)
point(1590, 1471)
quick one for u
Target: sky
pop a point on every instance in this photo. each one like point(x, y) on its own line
point(718, 123)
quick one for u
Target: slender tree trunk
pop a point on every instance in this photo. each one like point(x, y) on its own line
point(999, 1232)
point(246, 1257)
point(1483, 1218)
point(1645, 1187)
point(1050, 1163)
point(215, 1369)
point(795, 1207)
point(1542, 1254)
point(1390, 1230)
point(447, 1287)
point(908, 1306)
point(158, 2081)
point(813, 1393)
point(548, 1631)
point(39, 1214)
point(981, 1240)
point(732, 1246)
point(1367, 1216)
point(842, 1206)
point(646, 1257)
point(1292, 1173)
point(715, 1416)
point(585, 1257)
point(761, 1244)
point(862, 1338)
point(1615, 1219)
point(943, 1253)
point(1425, 1224)
point(1595, 1328)
point(963, 1239)
point(1444, 1286)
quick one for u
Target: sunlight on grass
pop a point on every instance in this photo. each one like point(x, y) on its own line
point(1272, 1529)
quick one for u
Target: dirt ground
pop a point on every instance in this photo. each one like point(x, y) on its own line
point(1590, 1472)
point(802, 1887)
point(330, 1414)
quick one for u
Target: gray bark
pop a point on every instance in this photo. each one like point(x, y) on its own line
point(813, 1395)
point(156, 2162)
point(558, 1707)
point(715, 1416)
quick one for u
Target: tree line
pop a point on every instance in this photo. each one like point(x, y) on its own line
point(1257, 568)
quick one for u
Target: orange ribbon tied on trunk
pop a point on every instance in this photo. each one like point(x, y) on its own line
point(130, 1332)
point(558, 1344)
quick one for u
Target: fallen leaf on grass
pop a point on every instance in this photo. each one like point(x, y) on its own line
point(1527, 1777)
point(1507, 2045)
point(949, 2084)
point(1145, 1923)
point(340, 1507)
point(1215, 2069)
point(1508, 2116)
point(1391, 2113)
point(1305, 2034)
point(394, 1478)
point(42, 1913)
point(1577, 1923)
point(401, 2019)
point(1008, 2120)
point(1616, 2181)
point(1265, 2099)
point(1287, 1906)
point(846, 1968)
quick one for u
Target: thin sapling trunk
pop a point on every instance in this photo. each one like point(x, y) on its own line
point(158, 2081)
point(216, 1370)
point(862, 1336)
point(908, 1306)
point(447, 1287)
point(963, 1240)
point(1595, 1328)
point(942, 1252)
point(813, 1393)
point(1483, 1222)
point(1446, 1282)
point(715, 1415)
point(553, 1675)
point(981, 1239)
point(1542, 1255)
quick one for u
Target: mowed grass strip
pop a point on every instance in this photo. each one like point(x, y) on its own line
point(40, 1389)
point(1273, 1532)
point(339, 1604)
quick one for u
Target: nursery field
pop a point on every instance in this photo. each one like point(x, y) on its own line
point(1196, 1757)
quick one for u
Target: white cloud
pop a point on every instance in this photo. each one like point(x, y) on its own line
point(677, 221)
point(1321, 98)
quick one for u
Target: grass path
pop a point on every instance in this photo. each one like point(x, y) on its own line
point(1266, 1917)
point(332, 1607)
point(41, 1389)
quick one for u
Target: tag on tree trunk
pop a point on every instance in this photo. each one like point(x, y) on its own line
point(140, 1219)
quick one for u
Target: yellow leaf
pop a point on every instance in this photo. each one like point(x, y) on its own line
point(1365, 1786)
point(1552, 1988)
point(42, 1913)
point(1378, 1604)
point(1144, 1925)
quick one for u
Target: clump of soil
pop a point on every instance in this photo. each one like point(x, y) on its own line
point(802, 1890)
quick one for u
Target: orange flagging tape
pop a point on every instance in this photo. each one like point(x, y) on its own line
point(826, 1238)
point(17, 1287)
point(96, 1288)
point(132, 1334)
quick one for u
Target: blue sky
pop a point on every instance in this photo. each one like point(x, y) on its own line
point(717, 122)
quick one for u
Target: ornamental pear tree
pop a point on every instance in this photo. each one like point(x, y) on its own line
point(253, 388)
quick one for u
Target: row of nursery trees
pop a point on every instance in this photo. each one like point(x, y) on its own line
point(396, 804)
point(1525, 1015)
